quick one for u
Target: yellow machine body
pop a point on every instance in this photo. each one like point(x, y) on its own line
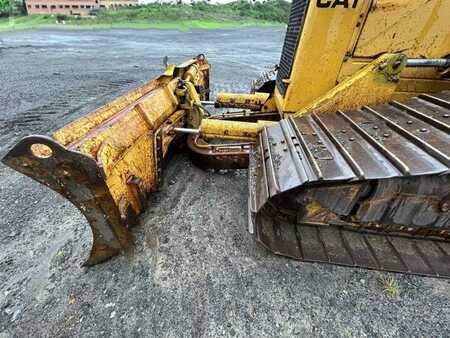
point(232, 130)
point(341, 37)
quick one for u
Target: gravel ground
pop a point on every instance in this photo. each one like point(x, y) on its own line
point(194, 269)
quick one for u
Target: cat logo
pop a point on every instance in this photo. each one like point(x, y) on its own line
point(336, 3)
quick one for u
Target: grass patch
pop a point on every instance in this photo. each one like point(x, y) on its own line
point(164, 16)
point(390, 286)
point(35, 22)
point(23, 22)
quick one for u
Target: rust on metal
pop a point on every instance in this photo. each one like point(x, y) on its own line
point(218, 155)
point(254, 101)
point(208, 154)
point(78, 178)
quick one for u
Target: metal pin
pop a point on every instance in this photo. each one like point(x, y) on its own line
point(428, 63)
point(186, 130)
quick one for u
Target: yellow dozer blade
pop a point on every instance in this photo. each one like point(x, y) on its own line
point(107, 162)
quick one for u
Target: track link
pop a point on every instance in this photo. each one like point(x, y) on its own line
point(367, 188)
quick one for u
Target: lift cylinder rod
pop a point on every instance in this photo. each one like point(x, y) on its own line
point(428, 63)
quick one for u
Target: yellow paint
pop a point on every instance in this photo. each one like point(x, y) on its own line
point(254, 101)
point(122, 136)
point(413, 87)
point(191, 74)
point(177, 119)
point(354, 64)
point(80, 127)
point(335, 43)
point(170, 69)
point(133, 163)
point(373, 84)
point(232, 130)
point(193, 106)
point(413, 81)
point(326, 36)
point(270, 105)
point(417, 28)
point(147, 113)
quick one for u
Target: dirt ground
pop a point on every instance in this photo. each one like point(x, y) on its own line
point(194, 270)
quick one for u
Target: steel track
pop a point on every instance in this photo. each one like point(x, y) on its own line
point(367, 188)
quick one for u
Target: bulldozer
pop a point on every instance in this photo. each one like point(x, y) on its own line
point(346, 141)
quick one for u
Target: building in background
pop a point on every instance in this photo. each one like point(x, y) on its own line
point(85, 7)
point(146, 2)
point(74, 7)
point(221, 2)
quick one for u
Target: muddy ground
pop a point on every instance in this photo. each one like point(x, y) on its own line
point(194, 269)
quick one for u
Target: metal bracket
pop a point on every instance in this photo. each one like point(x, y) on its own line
point(158, 154)
point(373, 84)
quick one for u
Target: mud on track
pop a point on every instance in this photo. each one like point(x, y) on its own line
point(194, 269)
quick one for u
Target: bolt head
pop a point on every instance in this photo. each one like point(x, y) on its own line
point(382, 66)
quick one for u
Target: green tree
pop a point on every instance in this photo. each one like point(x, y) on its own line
point(4, 4)
point(12, 7)
point(4, 7)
